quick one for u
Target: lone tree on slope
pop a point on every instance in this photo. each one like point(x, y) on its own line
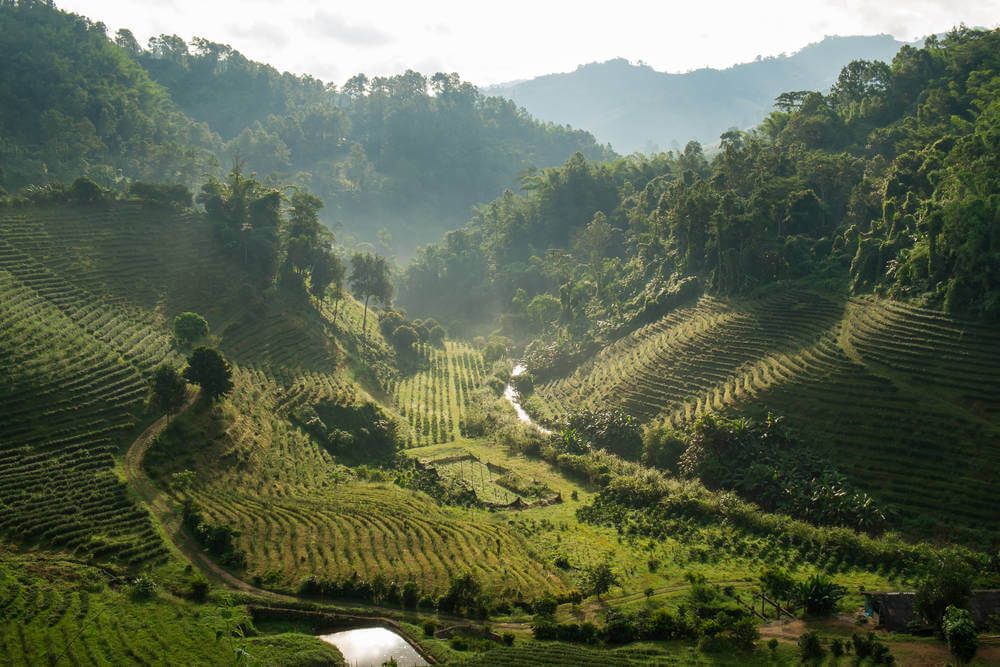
point(169, 388)
point(370, 278)
point(209, 369)
point(190, 327)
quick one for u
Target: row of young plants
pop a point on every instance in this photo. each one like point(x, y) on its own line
point(642, 501)
point(465, 595)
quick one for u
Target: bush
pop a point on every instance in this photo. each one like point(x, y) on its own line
point(143, 587)
point(410, 595)
point(86, 191)
point(199, 589)
point(810, 647)
point(662, 447)
point(960, 631)
point(170, 196)
point(429, 628)
point(868, 646)
point(948, 583)
point(545, 606)
point(819, 595)
point(507, 638)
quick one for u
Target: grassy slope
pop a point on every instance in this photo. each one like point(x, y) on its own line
point(299, 513)
point(56, 611)
point(902, 399)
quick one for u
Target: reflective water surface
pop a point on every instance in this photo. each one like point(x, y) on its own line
point(511, 395)
point(371, 647)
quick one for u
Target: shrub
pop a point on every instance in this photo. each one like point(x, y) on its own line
point(143, 587)
point(819, 595)
point(171, 196)
point(410, 595)
point(662, 447)
point(429, 628)
point(868, 646)
point(507, 638)
point(86, 191)
point(960, 631)
point(545, 606)
point(199, 589)
point(810, 647)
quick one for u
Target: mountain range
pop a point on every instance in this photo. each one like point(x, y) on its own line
point(636, 108)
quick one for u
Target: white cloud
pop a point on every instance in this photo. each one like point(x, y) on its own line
point(489, 43)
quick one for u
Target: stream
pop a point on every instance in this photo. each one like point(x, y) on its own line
point(510, 393)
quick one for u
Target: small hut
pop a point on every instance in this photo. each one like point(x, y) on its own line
point(897, 611)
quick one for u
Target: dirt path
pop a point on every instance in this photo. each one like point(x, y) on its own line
point(163, 514)
point(170, 526)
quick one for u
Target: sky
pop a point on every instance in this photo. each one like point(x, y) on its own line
point(506, 40)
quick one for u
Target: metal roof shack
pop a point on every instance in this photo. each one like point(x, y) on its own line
point(896, 611)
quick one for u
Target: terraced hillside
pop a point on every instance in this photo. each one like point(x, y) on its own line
point(75, 373)
point(434, 400)
point(86, 299)
point(904, 399)
point(56, 612)
point(300, 514)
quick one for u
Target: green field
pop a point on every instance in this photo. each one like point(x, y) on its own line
point(434, 399)
point(890, 392)
point(79, 354)
point(58, 612)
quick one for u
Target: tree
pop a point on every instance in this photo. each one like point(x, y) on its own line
point(327, 269)
point(370, 278)
point(600, 578)
point(169, 388)
point(948, 583)
point(209, 369)
point(190, 327)
point(960, 631)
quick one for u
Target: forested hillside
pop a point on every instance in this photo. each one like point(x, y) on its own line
point(636, 108)
point(74, 104)
point(886, 184)
point(886, 187)
point(407, 154)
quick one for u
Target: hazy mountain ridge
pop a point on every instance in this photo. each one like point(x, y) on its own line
point(635, 107)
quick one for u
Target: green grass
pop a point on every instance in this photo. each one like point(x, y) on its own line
point(902, 399)
point(58, 612)
point(301, 514)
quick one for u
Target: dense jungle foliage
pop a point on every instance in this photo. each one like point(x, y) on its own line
point(407, 154)
point(888, 183)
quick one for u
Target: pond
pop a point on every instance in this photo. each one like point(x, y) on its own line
point(510, 393)
point(371, 647)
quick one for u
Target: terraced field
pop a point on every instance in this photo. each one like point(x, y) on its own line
point(302, 515)
point(904, 399)
point(74, 371)
point(86, 298)
point(54, 612)
point(434, 400)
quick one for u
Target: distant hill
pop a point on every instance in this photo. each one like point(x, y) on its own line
point(636, 108)
point(407, 154)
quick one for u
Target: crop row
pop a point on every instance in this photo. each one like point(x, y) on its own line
point(434, 400)
point(375, 530)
